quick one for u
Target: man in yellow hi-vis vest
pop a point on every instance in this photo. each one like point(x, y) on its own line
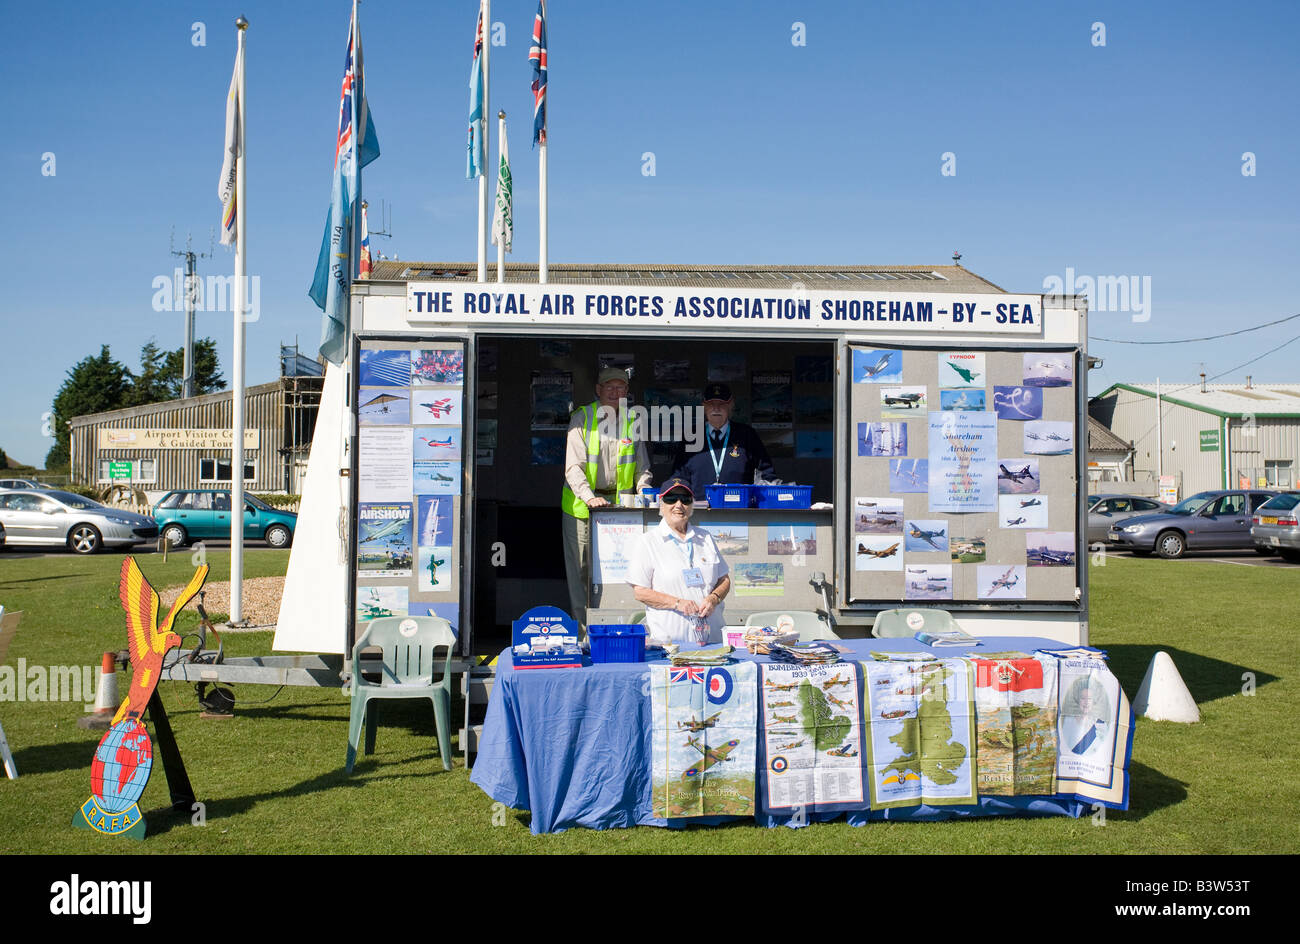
point(598, 469)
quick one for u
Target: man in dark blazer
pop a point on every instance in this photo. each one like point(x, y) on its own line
point(732, 452)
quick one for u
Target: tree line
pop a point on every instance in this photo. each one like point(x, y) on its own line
point(99, 383)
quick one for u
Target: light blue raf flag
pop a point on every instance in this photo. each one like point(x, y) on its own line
point(475, 158)
point(336, 263)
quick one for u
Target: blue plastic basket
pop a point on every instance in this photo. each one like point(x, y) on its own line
point(729, 496)
point(617, 642)
point(783, 496)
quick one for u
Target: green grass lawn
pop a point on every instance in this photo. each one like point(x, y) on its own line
point(273, 781)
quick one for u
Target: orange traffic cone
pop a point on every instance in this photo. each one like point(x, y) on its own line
point(106, 700)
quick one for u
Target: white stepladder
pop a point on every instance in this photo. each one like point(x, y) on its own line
point(8, 626)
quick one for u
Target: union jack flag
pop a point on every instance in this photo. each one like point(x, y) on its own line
point(537, 56)
point(693, 673)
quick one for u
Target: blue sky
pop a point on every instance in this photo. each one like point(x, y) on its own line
point(1115, 160)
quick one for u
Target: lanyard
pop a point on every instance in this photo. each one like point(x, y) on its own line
point(688, 551)
point(719, 458)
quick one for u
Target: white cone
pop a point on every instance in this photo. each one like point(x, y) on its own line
point(1163, 696)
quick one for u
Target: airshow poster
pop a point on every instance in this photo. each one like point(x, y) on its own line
point(1015, 712)
point(703, 751)
point(963, 461)
point(921, 733)
point(614, 535)
point(384, 464)
point(552, 396)
point(812, 737)
point(959, 370)
point(773, 400)
point(384, 546)
point(1094, 730)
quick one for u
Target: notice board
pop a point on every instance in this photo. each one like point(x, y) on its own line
point(963, 475)
point(409, 471)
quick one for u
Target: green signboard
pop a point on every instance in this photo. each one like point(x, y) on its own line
point(1209, 440)
point(119, 470)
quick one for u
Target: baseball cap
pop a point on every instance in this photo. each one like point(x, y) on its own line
point(717, 391)
point(675, 483)
point(612, 373)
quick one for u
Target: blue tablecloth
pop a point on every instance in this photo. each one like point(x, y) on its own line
point(573, 746)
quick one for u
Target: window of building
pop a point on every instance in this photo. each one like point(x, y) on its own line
point(218, 470)
point(142, 470)
point(1278, 473)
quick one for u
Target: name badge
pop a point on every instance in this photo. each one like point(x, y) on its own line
point(692, 577)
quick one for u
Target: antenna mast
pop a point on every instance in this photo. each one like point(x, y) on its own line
point(191, 291)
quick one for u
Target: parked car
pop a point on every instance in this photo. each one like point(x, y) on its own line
point(1216, 520)
point(49, 517)
point(205, 513)
point(1106, 511)
point(20, 483)
point(1276, 526)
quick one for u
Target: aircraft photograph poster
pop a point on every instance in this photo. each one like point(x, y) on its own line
point(812, 737)
point(960, 370)
point(384, 539)
point(963, 461)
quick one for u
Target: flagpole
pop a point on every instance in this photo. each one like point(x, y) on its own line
point(354, 211)
point(487, 149)
point(237, 367)
point(541, 206)
point(501, 242)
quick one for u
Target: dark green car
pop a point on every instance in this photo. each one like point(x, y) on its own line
point(194, 514)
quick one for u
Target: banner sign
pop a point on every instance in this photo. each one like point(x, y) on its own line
point(799, 309)
point(174, 438)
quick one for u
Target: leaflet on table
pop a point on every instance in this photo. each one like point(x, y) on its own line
point(614, 534)
point(963, 461)
point(384, 464)
point(921, 733)
point(703, 752)
point(1094, 728)
point(1015, 708)
point(812, 737)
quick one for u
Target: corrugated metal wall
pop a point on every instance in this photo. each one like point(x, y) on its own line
point(1252, 444)
point(264, 409)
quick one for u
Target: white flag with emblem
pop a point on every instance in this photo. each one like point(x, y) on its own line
point(226, 183)
point(503, 224)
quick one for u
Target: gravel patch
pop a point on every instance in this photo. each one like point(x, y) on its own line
point(261, 600)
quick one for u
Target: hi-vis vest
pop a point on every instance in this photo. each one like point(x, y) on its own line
point(625, 481)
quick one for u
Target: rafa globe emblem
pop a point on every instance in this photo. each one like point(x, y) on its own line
point(118, 775)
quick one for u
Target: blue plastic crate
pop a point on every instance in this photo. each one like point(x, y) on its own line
point(729, 496)
point(783, 496)
point(617, 642)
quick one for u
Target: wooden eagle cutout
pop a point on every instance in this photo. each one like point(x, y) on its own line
point(147, 641)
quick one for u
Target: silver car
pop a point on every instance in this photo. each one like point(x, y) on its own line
point(52, 518)
point(1275, 527)
point(1105, 511)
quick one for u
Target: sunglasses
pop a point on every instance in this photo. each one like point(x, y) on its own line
point(676, 497)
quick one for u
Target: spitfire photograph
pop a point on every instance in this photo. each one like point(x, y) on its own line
point(1022, 511)
point(878, 515)
point(927, 582)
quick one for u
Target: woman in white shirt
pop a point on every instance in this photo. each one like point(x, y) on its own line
point(678, 573)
